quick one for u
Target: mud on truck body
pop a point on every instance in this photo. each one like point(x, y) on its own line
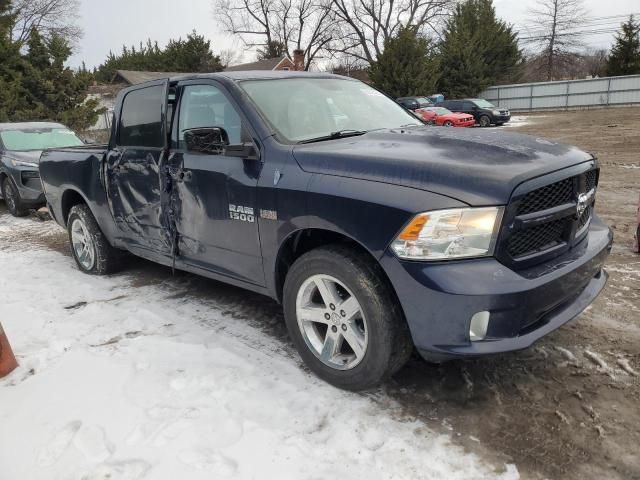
point(377, 234)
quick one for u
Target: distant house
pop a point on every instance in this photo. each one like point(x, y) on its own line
point(280, 63)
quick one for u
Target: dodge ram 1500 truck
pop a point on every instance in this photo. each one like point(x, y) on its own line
point(377, 236)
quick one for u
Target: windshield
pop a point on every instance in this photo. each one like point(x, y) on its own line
point(439, 111)
point(38, 139)
point(423, 100)
point(484, 104)
point(302, 109)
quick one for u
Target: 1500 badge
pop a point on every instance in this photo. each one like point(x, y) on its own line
point(244, 214)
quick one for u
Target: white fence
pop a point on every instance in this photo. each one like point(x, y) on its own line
point(565, 95)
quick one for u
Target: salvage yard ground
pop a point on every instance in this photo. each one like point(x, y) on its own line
point(149, 375)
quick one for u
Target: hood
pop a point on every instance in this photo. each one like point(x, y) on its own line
point(476, 166)
point(31, 156)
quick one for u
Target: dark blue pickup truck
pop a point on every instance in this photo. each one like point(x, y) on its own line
point(377, 233)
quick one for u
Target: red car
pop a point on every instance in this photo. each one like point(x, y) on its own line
point(446, 118)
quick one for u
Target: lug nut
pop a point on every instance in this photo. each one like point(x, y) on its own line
point(344, 327)
point(332, 306)
point(327, 316)
point(343, 313)
point(334, 329)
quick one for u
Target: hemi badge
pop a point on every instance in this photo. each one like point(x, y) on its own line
point(269, 214)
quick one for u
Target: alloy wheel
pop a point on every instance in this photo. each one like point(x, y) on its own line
point(82, 243)
point(332, 322)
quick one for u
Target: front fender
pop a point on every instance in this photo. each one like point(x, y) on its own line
point(371, 213)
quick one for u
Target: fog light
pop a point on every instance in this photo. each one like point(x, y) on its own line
point(479, 326)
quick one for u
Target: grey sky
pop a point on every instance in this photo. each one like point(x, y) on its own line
point(108, 24)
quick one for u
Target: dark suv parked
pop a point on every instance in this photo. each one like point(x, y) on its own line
point(414, 103)
point(20, 147)
point(484, 112)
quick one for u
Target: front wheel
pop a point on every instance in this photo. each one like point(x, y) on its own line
point(344, 319)
point(485, 121)
point(89, 246)
point(12, 199)
point(448, 123)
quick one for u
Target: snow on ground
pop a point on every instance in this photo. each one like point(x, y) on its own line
point(519, 121)
point(121, 381)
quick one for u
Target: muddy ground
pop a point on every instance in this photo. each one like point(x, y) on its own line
point(567, 408)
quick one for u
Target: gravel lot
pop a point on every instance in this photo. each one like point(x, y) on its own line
point(567, 408)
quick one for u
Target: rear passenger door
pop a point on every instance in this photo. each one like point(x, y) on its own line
point(133, 167)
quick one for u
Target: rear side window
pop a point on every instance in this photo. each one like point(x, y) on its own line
point(468, 106)
point(454, 106)
point(141, 118)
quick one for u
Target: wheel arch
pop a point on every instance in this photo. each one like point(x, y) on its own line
point(304, 240)
point(68, 200)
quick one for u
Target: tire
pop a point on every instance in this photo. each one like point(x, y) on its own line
point(448, 123)
point(12, 199)
point(378, 330)
point(90, 249)
point(485, 121)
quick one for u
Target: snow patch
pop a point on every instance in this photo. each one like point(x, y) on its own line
point(106, 390)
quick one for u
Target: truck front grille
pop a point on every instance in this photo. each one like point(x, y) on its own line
point(547, 219)
point(536, 239)
point(547, 197)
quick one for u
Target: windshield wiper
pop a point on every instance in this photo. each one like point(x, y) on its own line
point(335, 135)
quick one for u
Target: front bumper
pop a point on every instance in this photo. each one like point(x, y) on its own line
point(439, 299)
point(501, 118)
point(468, 124)
point(29, 187)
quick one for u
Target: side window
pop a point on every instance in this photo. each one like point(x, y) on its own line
point(467, 106)
point(141, 119)
point(206, 106)
point(454, 106)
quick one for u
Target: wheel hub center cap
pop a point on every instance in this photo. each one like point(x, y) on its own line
point(335, 318)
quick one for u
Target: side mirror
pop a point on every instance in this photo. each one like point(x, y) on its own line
point(89, 141)
point(211, 140)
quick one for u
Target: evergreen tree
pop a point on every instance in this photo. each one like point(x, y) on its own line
point(407, 66)
point(54, 92)
point(273, 49)
point(12, 94)
point(192, 55)
point(478, 50)
point(625, 54)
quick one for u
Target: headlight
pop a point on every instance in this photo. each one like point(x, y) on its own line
point(496, 112)
point(448, 234)
point(20, 163)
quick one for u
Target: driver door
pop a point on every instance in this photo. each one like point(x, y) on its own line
point(214, 199)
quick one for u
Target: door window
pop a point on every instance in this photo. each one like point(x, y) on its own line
point(205, 106)
point(141, 118)
point(454, 106)
point(468, 106)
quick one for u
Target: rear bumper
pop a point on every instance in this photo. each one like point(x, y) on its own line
point(439, 299)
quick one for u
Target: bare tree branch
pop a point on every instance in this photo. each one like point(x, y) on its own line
point(296, 24)
point(49, 17)
point(365, 25)
point(553, 31)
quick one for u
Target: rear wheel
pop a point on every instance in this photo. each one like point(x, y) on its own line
point(485, 121)
point(12, 199)
point(89, 246)
point(344, 319)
